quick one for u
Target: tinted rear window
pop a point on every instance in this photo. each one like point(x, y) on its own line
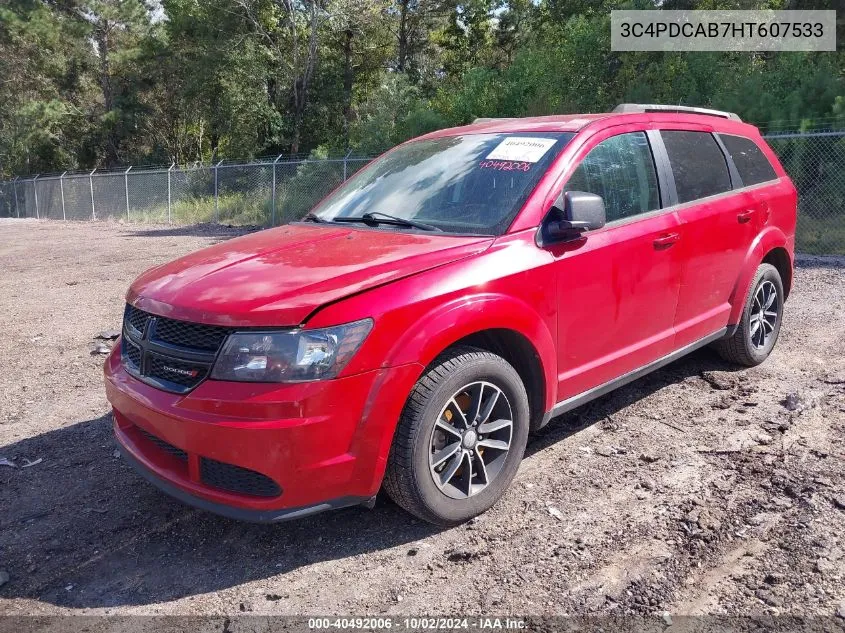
point(698, 164)
point(751, 163)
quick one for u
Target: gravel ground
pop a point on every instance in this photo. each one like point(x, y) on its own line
point(700, 489)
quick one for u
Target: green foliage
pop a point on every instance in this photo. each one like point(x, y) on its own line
point(816, 171)
point(393, 112)
point(823, 235)
point(312, 181)
point(96, 83)
point(43, 64)
point(239, 209)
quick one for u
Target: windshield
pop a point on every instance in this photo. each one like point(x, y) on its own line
point(475, 183)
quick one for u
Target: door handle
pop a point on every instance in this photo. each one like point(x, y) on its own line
point(745, 216)
point(665, 241)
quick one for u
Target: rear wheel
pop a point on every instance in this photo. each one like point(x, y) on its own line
point(758, 330)
point(460, 438)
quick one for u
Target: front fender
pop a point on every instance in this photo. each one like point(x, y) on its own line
point(447, 323)
point(769, 238)
point(418, 343)
point(416, 318)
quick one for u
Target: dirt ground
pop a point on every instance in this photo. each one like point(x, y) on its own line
point(700, 489)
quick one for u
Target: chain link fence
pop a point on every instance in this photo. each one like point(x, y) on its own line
point(264, 193)
point(269, 193)
point(816, 163)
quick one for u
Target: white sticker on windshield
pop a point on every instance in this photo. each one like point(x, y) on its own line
point(522, 148)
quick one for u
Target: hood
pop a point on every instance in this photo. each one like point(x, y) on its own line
point(278, 277)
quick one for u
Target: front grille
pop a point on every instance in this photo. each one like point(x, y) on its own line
point(132, 353)
point(178, 453)
point(136, 318)
point(236, 479)
point(175, 371)
point(194, 335)
point(169, 354)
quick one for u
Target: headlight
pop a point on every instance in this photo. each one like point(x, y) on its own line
point(290, 356)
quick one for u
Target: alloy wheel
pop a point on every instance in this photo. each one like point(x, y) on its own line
point(765, 312)
point(470, 440)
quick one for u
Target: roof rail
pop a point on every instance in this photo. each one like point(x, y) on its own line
point(489, 119)
point(623, 108)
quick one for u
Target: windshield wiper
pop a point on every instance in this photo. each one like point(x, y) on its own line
point(377, 217)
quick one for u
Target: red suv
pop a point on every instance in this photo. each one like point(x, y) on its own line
point(452, 297)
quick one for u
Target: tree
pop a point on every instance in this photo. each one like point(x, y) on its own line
point(415, 22)
point(358, 32)
point(290, 31)
point(393, 112)
point(90, 83)
point(212, 94)
point(512, 28)
point(44, 90)
point(467, 38)
point(117, 28)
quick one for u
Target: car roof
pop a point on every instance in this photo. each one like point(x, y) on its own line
point(577, 122)
point(554, 123)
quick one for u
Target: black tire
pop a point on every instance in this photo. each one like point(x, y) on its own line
point(409, 479)
point(740, 348)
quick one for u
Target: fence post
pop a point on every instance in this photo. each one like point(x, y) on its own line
point(91, 186)
point(216, 207)
point(273, 193)
point(35, 191)
point(126, 190)
point(169, 219)
point(62, 190)
point(345, 158)
point(15, 187)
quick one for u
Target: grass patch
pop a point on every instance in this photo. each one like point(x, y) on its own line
point(238, 209)
point(820, 236)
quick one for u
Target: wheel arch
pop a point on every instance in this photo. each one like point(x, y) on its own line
point(521, 354)
point(498, 323)
point(488, 320)
point(779, 258)
point(770, 246)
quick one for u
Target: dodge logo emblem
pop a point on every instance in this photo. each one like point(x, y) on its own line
point(191, 373)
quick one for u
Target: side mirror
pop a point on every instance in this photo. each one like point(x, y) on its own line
point(581, 211)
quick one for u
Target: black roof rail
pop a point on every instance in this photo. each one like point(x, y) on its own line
point(623, 108)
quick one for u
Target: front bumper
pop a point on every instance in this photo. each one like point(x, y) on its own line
point(284, 451)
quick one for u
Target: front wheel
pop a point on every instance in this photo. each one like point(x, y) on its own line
point(758, 330)
point(460, 439)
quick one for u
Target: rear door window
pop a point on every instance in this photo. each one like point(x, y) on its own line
point(620, 170)
point(751, 163)
point(698, 164)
